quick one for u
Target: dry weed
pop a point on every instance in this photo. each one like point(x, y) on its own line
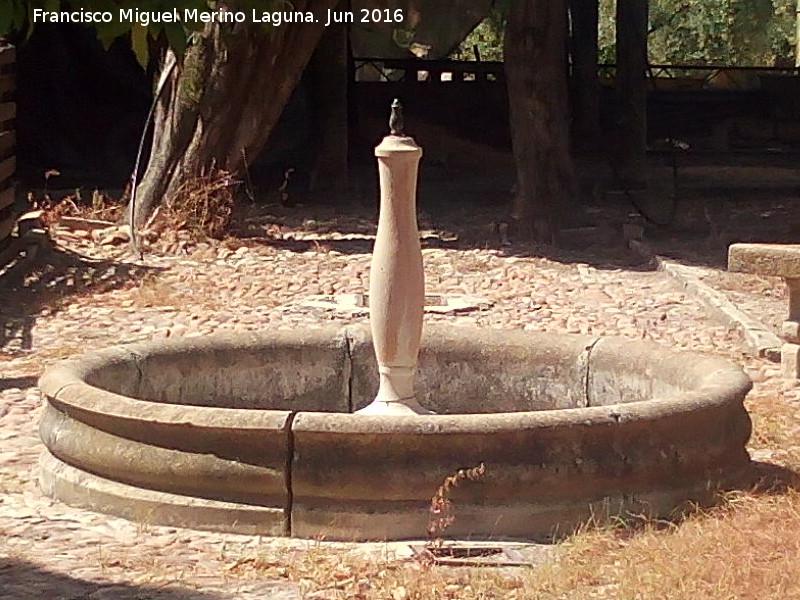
point(441, 510)
point(202, 205)
point(745, 549)
point(100, 207)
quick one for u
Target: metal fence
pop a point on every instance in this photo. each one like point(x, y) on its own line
point(660, 77)
point(8, 161)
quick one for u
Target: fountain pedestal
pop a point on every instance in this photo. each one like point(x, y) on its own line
point(397, 285)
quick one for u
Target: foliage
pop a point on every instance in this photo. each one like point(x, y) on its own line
point(716, 31)
point(735, 32)
point(730, 32)
point(16, 19)
point(487, 37)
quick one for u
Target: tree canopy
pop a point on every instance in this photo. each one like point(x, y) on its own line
point(17, 17)
point(732, 32)
point(728, 32)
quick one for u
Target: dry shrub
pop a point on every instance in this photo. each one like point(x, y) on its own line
point(202, 205)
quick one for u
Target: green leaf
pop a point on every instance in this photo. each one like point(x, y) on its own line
point(403, 37)
point(140, 45)
point(6, 17)
point(176, 36)
point(12, 16)
point(108, 32)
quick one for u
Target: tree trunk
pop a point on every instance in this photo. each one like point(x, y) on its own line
point(536, 73)
point(632, 89)
point(797, 36)
point(330, 95)
point(585, 83)
point(223, 99)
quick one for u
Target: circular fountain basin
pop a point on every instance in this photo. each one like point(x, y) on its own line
point(254, 433)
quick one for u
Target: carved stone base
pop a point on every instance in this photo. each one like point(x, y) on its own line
point(790, 361)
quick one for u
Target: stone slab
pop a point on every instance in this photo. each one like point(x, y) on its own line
point(358, 304)
point(371, 477)
point(244, 465)
point(779, 260)
point(622, 371)
point(760, 338)
point(346, 476)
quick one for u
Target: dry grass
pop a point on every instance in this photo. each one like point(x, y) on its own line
point(10, 482)
point(748, 548)
point(776, 428)
point(154, 291)
point(440, 513)
point(323, 574)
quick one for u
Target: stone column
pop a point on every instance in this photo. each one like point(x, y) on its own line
point(397, 286)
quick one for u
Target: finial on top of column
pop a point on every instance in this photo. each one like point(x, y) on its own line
point(396, 118)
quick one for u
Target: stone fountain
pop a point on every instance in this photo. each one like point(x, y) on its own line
point(320, 433)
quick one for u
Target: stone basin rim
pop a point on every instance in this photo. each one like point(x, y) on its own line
point(64, 383)
point(113, 405)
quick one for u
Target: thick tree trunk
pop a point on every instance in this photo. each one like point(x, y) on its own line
point(330, 94)
point(223, 99)
point(537, 89)
point(632, 88)
point(797, 36)
point(585, 83)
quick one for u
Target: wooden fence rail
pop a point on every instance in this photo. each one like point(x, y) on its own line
point(8, 162)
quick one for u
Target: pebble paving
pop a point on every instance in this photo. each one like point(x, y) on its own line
point(49, 550)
